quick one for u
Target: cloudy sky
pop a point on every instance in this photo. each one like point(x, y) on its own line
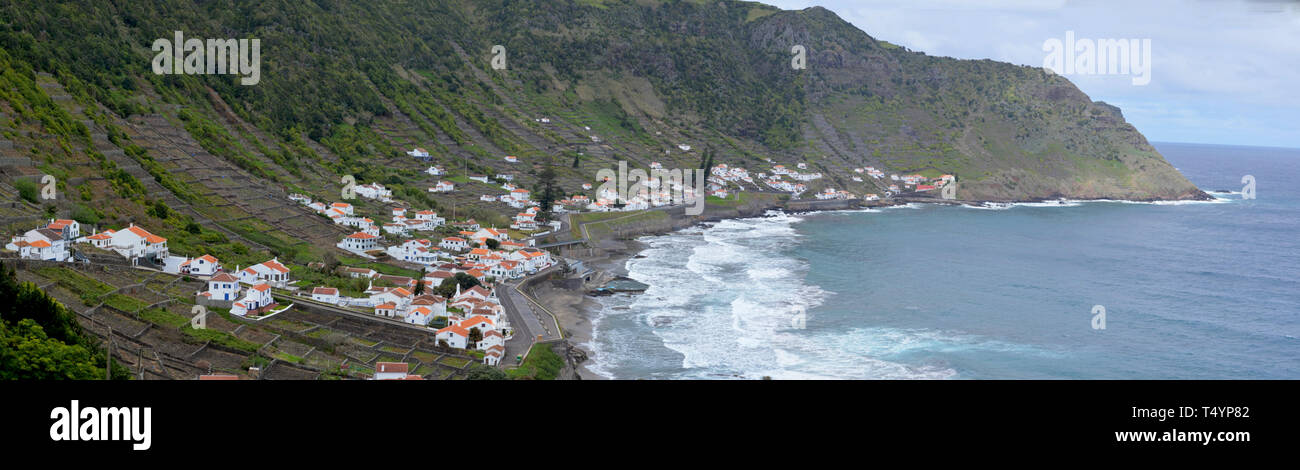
point(1222, 71)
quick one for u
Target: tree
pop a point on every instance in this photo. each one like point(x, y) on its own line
point(475, 335)
point(26, 353)
point(27, 190)
point(550, 192)
point(493, 244)
point(419, 283)
point(42, 338)
point(448, 286)
point(484, 372)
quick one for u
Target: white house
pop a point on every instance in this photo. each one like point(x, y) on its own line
point(492, 233)
point(454, 336)
point(374, 191)
point(483, 324)
point(205, 265)
point(435, 171)
point(396, 229)
point(419, 316)
point(443, 187)
point(479, 178)
point(257, 299)
point(223, 286)
point(132, 243)
point(430, 219)
point(325, 294)
point(70, 229)
point(270, 272)
point(387, 309)
point(453, 244)
point(492, 355)
point(342, 207)
point(512, 159)
point(418, 153)
point(42, 244)
point(392, 371)
point(359, 242)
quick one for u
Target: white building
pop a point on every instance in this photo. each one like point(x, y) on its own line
point(205, 265)
point(359, 242)
point(223, 286)
point(453, 244)
point(270, 272)
point(325, 294)
point(257, 299)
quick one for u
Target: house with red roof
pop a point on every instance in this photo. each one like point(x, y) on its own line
point(359, 242)
point(206, 265)
point(70, 229)
point(454, 336)
point(392, 371)
point(270, 272)
point(256, 300)
point(325, 294)
point(131, 243)
point(41, 244)
point(453, 244)
point(222, 287)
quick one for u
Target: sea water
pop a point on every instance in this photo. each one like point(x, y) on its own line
point(1188, 289)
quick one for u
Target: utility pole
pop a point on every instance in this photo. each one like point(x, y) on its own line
point(108, 360)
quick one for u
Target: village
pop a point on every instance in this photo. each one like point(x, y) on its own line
point(464, 268)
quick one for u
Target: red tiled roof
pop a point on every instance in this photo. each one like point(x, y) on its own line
point(394, 367)
point(223, 277)
point(455, 329)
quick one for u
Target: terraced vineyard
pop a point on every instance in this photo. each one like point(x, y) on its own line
point(147, 315)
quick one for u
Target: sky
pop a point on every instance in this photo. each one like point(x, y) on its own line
point(1221, 71)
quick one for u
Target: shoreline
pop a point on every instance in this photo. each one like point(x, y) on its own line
point(577, 312)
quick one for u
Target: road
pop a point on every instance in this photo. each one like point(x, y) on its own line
point(529, 321)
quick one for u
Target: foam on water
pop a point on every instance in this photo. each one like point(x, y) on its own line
point(723, 299)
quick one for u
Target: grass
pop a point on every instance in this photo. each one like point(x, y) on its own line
point(125, 303)
point(284, 356)
point(426, 370)
point(456, 362)
point(740, 198)
point(76, 282)
point(162, 317)
point(362, 341)
point(542, 364)
point(222, 338)
point(381, 267)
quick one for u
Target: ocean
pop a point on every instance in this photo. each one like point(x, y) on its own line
point(1189, 290)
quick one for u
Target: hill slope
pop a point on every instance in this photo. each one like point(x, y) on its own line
point(346, 86)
